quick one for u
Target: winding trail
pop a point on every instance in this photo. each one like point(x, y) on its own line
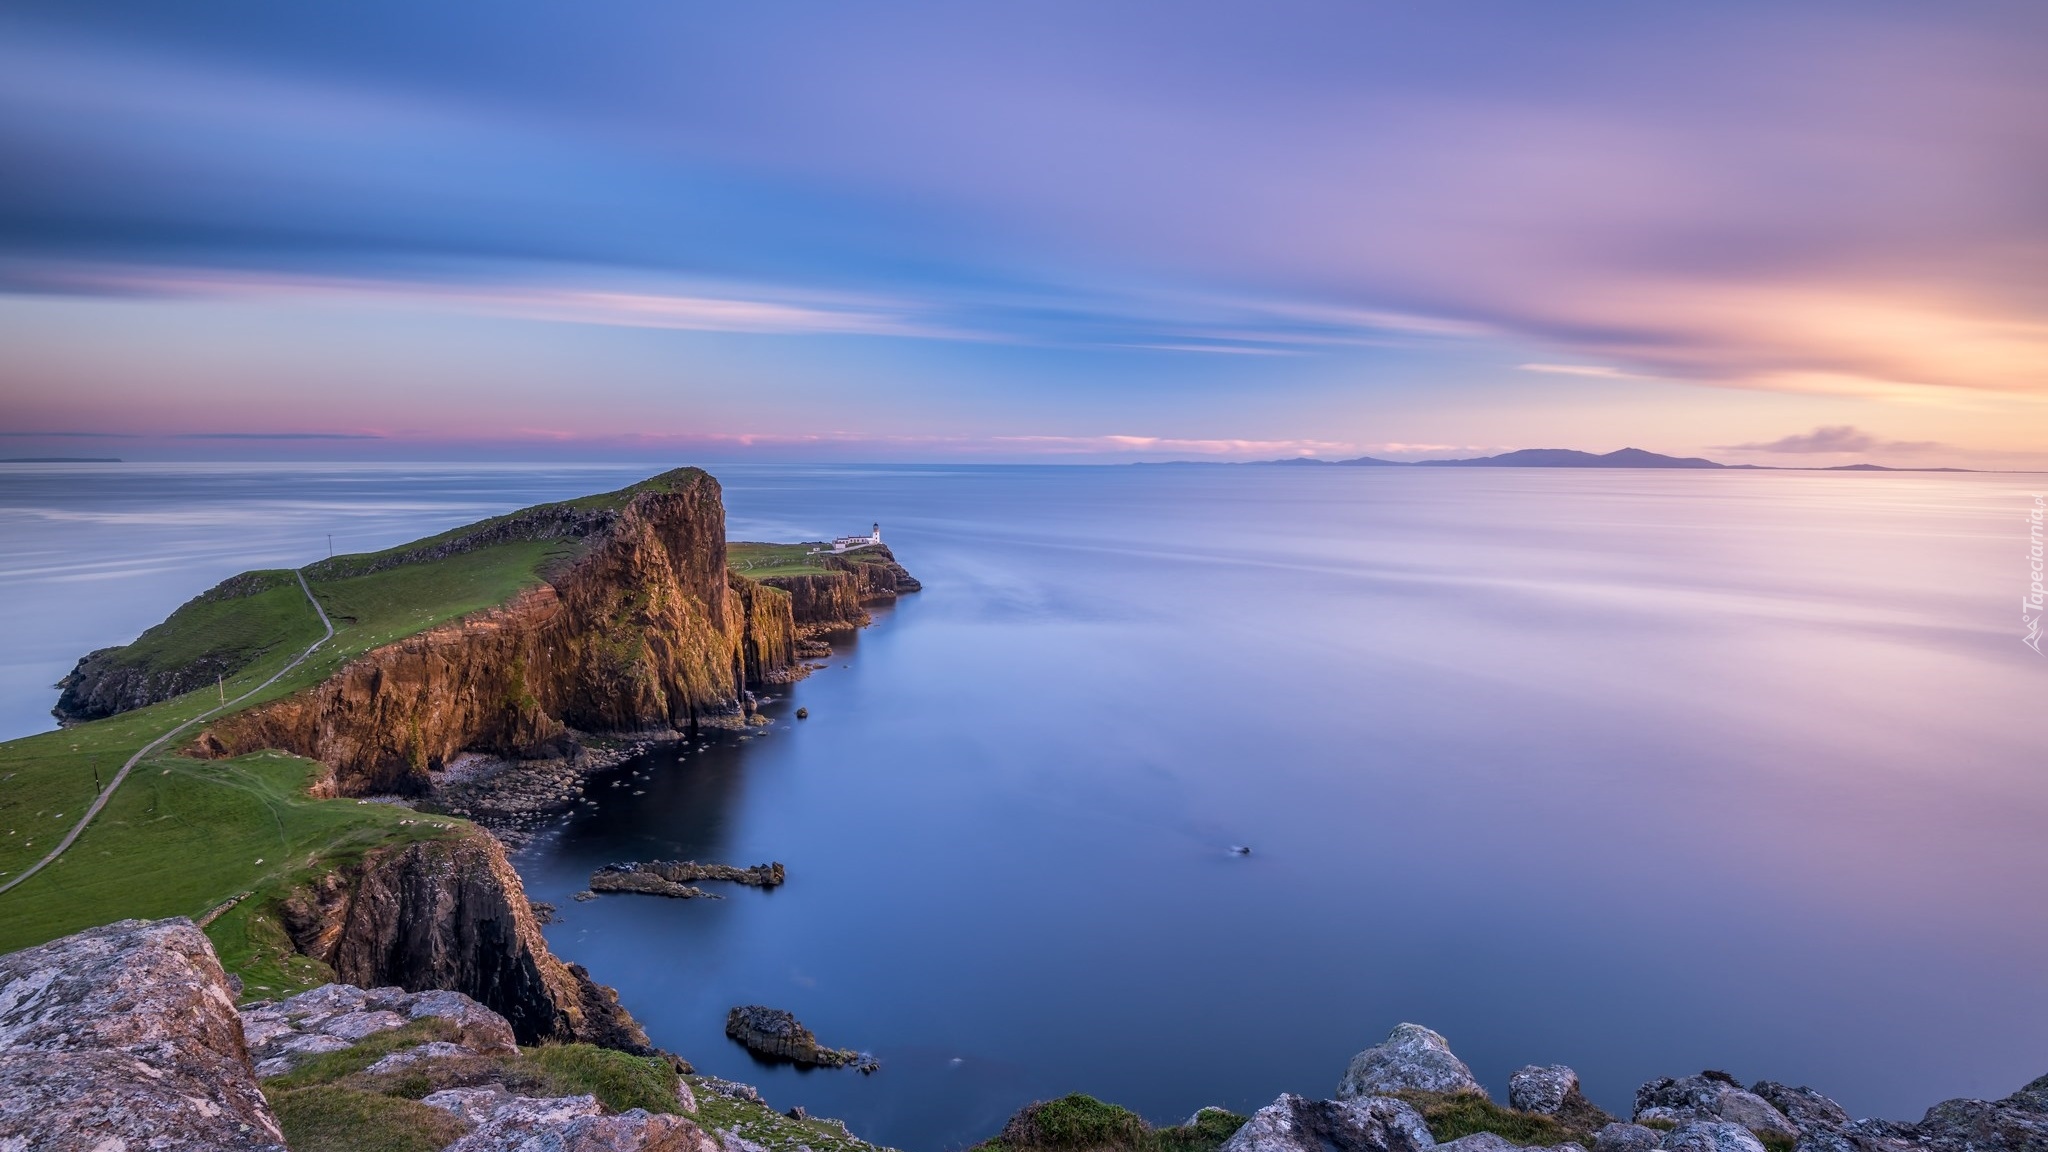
point(107, 793)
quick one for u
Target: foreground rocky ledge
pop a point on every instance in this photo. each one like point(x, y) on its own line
point(126, 1038)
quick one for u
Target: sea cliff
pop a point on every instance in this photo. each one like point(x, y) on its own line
point(641, 631)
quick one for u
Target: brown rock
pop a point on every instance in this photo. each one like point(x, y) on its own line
point(452, 914)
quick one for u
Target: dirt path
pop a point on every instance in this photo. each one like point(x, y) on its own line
point(107, 793)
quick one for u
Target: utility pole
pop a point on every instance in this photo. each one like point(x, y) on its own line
point(330, 545)
point(220, 680)
point(95, 776)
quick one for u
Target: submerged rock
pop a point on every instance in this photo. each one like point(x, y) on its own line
point(126, 1037)
point(773, 1032)
point(1411, 1059)
point(1297, 1124)
point(1709, 1096)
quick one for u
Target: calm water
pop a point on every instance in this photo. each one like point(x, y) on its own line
point(1639, 772)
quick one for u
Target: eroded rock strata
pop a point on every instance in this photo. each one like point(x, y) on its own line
point(775, 1033)
point(642, 631)
point(677, 878)
point(451, 914)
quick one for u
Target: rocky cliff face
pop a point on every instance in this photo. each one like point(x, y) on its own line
point(126, 1037)
point(643, 632)
point(451, 914)
point(837, 599)
point(115, 680)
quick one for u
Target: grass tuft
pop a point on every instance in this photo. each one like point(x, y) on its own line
point(618, 1080)
point(1451, 1115)
point(327, 1118)
point(328, 1067)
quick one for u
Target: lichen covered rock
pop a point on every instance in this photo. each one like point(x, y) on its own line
point(334, 1016)
point(126, 1037)
point(1367, 1124)
point(1709, 1096)
point(1411, 1059)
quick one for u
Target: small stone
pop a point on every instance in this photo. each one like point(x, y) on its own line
point(1542, 1089)
point(803, 713)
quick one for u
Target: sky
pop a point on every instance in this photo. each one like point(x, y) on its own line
point(1765, 233)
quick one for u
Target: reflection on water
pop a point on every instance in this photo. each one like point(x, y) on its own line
point(1638, 772)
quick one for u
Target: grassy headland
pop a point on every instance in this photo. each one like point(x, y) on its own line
point(183, 836)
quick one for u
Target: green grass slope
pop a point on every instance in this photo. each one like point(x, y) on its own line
point(183, 836)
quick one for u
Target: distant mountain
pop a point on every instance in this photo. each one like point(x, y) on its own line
point(59, 460)
point(1573, 458)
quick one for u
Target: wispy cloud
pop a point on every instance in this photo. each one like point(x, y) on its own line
point(1834, 439)
point(1596, 371)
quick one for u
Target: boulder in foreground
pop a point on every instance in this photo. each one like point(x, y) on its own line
point(1297, 1124)
point(1411, 1059)
point(126, 1037)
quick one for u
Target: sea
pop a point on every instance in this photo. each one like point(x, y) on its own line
point(1642, 772)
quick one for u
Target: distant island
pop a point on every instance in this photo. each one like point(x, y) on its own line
point(1573, 458)
point(60, 460)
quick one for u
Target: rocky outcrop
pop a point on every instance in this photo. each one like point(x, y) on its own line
point(451, 914)
point(675, 878)
point(1711, 1136)
point(1411, 1059)
point(1366, 1124)
point(1542, 1088)
point(1553, 1090)
point(1807, 1109)
point(503, 1122)
point(284, 1034)
point(1709, 1096)
point(129, 676)
point(1625, 1138)
point(2018, 1123)
point(774, 1033)
point(837, 598)
point(126, 1037)
point(642, 631)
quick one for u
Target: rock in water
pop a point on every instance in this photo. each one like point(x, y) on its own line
point(1711, 1136)
point(1412, 1059)
point(126, 1037)
point(1709, 1096)
point(675, 877)
point(1809, 1111)
point(1297, 1124)
point(1542, 1089)
point(773, 1032)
